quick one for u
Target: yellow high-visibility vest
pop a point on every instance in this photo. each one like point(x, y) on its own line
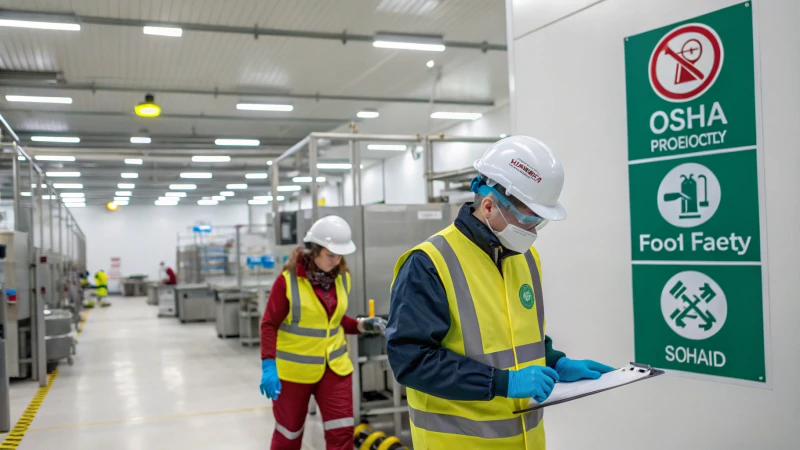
point(495, 319)
point(101, 281)
point(307, 339)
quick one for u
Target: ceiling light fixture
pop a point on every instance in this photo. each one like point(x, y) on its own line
point(133, 161)
point(291, 188)
point(236, 186)
point(67, 185)
point(129, 175)
point(163, 31)
point(227, 193)
point(211, 159)
point(257, 202)
point(123, 193)
point(73, 200)
point(196, 175)
point(54, 158)
point(368, 114)
point(238, 142)
point(25, 194)
point(182, 187)
point(207, 202)
point(148, 108)
point(218, 197)
point(334, 166)
point(121, 198)
point(140, 140)
point(75, 205)
point(63, 174)
point(126, 185)
point(256, 176)
point(427, 43)
point(36, 21)
point(72, 195)
point(430, 64)
point(171, 198)
point(264, 107)
point(456, 115)
point(57, 139)
point(389, 147)
point(35, 99)
point(307, 179)
point(269, 163)
point(175, 194)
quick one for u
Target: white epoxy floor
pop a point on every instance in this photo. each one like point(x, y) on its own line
point(143, 382)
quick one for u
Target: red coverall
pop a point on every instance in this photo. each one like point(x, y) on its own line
point(171, 278)
point(333, 393)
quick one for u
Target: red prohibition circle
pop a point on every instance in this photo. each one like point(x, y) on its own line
point(712, 74)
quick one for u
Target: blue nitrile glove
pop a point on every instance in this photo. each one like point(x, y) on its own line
point(372, 325)
point(270, 384)
point(531, 382)
point(574, 370)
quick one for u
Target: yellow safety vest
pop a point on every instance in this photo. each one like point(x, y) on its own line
point(495, 319)
point(307, 339)
point(101, 281)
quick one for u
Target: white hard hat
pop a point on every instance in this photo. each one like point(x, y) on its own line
point(333, 233)
point(528, 171)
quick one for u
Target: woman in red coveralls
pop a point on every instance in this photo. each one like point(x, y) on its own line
point(303, 347)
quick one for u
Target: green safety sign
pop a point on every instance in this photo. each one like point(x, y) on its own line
point(695, 197)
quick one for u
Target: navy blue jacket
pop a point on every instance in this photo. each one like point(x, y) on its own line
point(419, 318)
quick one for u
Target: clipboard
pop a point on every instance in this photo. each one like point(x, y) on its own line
point(566, 392)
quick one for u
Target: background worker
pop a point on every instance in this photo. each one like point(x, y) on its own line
point(168, 276)
point(465, 377)
point(303, 347)
point(101, 287)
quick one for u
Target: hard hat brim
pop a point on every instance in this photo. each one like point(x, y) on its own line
point(342, 249)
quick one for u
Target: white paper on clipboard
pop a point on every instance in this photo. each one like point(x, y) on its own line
point(563, 392)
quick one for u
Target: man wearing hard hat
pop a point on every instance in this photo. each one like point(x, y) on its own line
point(466, 330)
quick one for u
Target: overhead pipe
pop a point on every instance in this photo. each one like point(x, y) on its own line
point(128, 114)
point(254, 31)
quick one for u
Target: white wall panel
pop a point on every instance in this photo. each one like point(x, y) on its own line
point(578, 107)
point(530, 15)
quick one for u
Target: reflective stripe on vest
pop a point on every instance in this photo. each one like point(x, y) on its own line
point(338, 352)
point(293, 328)
point(486, 429)
point(301, 359)
point(470, 329)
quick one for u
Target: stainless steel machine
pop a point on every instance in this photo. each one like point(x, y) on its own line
point(18, 286)
point(195, 302)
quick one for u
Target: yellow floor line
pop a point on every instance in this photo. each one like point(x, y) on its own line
point(14, 437)
point(152, 419)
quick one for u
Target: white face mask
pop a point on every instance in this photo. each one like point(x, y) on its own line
point(513, 237)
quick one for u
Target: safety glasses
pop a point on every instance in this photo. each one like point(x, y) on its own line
point(530, 221)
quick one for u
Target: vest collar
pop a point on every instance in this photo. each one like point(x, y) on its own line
point(477, 232)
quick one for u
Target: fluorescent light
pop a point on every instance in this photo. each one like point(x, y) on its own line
point(256, 176)
point(203, 175)
point(430, 63)
point(43, 185)
point(73, 200)
point(61, 26)
point(257, 202)
point(123, 193)
point(368, 114)
point(177, 187)
point(307, 179)
point(48, 197)
point(390, 147)
point(63, 174)
point(129, 175)
point(211, 159)
point(163, 31)
point(269, 163)
point(60, 139)
point(207, 202)
point(171, 198)
point(72, 195)
point(121, 203)
point(175, 194)
point(218, 197)
point(133, 161)
point(67, 185)
point(34, 99)
point(227, 193)
point(409, 42)
point(236, 186)
point(124, 199)
point(126, 185)
point(139, 140)
point(165, 203)
point(456, 115)
point(263, 199)
point(245, 142)
point(263, 107)
point(54, 158)
point(289, 188)
point(25, 194)
point(344, 166)
point(20, 158)
point(75, 205)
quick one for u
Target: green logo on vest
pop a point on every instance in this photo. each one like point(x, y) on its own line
point(526, 296)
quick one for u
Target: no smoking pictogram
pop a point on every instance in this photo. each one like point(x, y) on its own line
point(686, 62)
